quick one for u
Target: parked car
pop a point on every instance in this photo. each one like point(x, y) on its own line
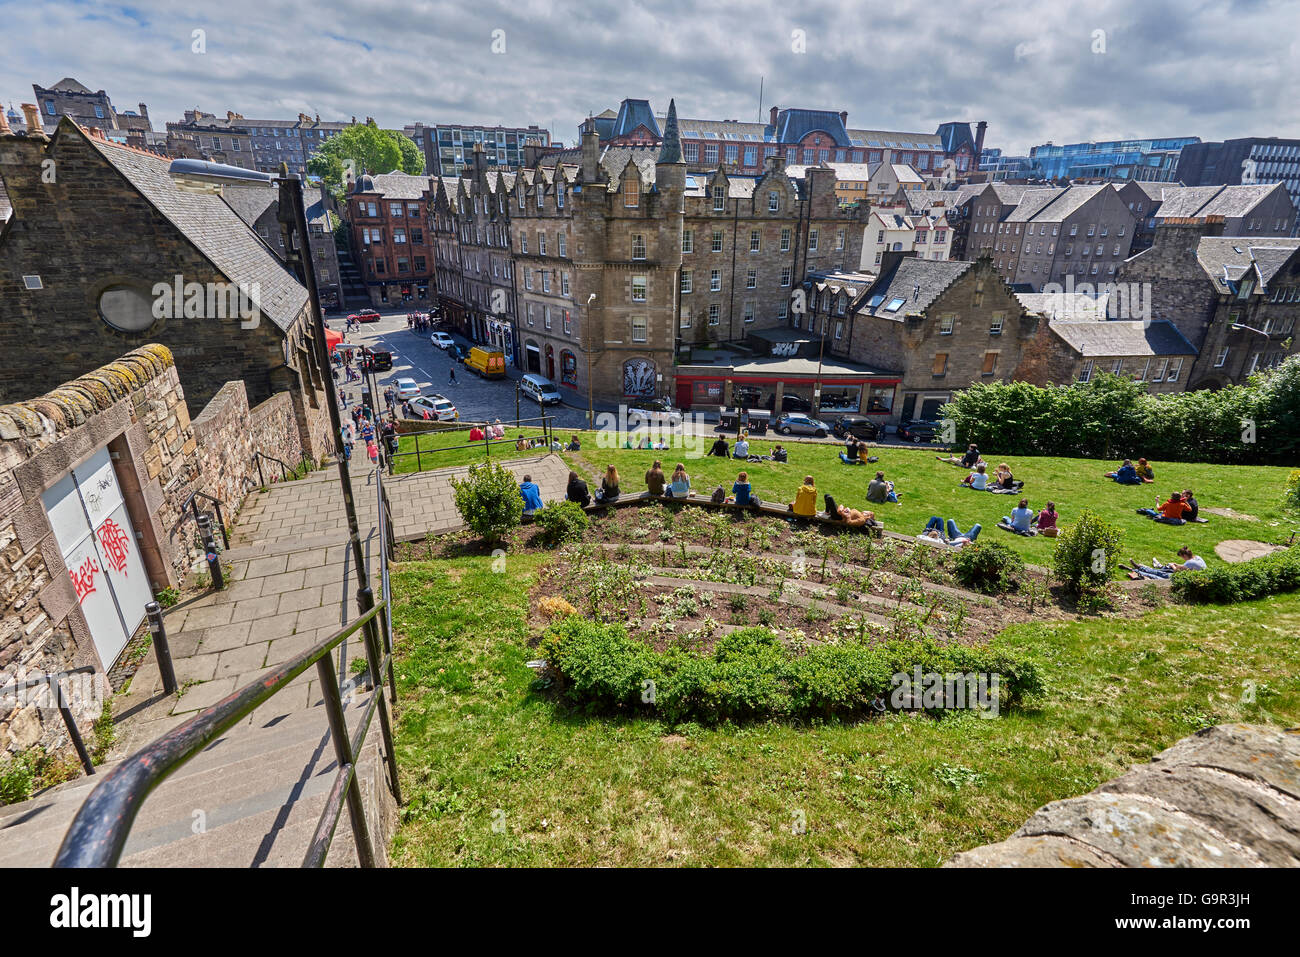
point(656, 412)
point(919, 430)
point(438, 407)
point(540, 389)
point(380, 360)
point(796, 423)
point(795, 403)
point(488, 363)
point(406, 389)
point(442, 340)
point(859, 426)
point(457, 352)
point(367, 315)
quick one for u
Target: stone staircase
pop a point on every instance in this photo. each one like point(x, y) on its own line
point(354, 289)
point(252, 798)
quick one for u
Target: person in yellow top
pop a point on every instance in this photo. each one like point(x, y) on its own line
point(805, 501)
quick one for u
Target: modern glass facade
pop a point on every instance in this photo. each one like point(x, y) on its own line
point(1144, 160)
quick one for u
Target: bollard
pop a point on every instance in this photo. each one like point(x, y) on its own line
point(153, 611)
point(210, 551)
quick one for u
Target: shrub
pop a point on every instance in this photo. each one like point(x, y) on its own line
point(990, 567)
point(1257, 578)
point(488, 500)
point(1087, 553)
point(1292, 495)
point(553, 606)
point(751, 675)
point(561, 522)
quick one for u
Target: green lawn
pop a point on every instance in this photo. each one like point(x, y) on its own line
point(444, 451)
point(929, 487)
point(495, 774)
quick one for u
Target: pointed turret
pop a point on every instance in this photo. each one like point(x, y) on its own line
point(671, 150)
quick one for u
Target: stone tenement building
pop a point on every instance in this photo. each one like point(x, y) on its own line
point(90, 261)
point(259, 207)
point(1236, 299)
point(612, 277)
point(89, 109)
point(206, 136)
point(392, 236)
point(1250, 210)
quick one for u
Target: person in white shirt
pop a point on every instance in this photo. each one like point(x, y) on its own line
point(1189, 563)
point(978, 479)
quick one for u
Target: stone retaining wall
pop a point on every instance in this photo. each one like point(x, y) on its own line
point(1228, 796)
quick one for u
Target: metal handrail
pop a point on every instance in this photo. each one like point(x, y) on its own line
point(190, 509)
point(55, 681)
point(285, 471)
point(548, 435)
point(100, 829)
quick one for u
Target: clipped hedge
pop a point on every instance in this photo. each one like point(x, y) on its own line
point(751, 675)
point(1245, 581)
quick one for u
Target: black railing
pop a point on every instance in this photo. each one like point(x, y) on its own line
point(55, 682)
point(190, 510)
point(285, 471)
point(545, 438)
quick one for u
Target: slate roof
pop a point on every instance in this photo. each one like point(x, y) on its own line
point(917, 281)
point(614, 161)
point(250, 202)
point(1032, 202)
point(1240, 255)
point(955, 135)
point(1116, 338)
point(793, 125)
point(1184, 200)
point(886, 139)
point(400, 185)
point(634, 113)
point(214, 228)
point(1226, 201)
point(1064, 306)
point(69, 85)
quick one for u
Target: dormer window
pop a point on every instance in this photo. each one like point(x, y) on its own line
point(719, 199)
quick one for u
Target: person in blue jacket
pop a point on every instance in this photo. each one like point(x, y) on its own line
point(531, 494)
point(1126, 474)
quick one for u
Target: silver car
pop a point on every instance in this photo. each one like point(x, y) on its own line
point(796, 423)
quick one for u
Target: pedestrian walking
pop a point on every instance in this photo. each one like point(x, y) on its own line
point(451, 375)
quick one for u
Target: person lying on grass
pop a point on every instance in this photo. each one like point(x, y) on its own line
point(1169, 512)
point(971, 459)
point(1020, 520)
point(1126, 474)
point(956, 538)
point(1190, 563)
point(978, 480)
point(879, 491)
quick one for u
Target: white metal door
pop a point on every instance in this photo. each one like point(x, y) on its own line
point(98, 544)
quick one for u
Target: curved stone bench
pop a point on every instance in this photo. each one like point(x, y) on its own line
point(764, 508)
point(1228, 796)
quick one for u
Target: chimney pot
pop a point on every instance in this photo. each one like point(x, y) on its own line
point(773, 116)
point(33, 117)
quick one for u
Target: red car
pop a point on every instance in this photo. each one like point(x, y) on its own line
point(366, 315)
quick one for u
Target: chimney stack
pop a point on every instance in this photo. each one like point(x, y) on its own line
point(844, 117)
point(773, 116)
point(590, 153)
point(33, 117)
point(980, 129)
point(4, 123)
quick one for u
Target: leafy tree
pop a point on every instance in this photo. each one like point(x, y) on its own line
point(369, 149)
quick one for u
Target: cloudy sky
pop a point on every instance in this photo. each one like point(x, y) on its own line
point(1061, 70)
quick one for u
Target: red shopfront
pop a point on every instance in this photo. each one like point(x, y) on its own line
point(840, 395)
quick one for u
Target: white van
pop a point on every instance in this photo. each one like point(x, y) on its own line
point(540, 388)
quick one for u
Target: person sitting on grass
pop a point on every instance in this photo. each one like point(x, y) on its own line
point(850, 455)
point(608, 490)
point(1020, 520)
point(497, 430)
point(743, 492)
point(971, 459)
point(476, 434)
point(1145, 472)
point(1126, 474)
point(741, 449)
point(935, 528)
point(680, 486)
point(879, 491)
point(654, 479)
point(576, 491)
point(978, 480)
point(805, 500)
point(1004, 481)
point(1046, 520)
point(779, 454)
point(522, 444)
point(574, 445)
point(531, 494)
point(1168, 512)
point(1190, 563)
point(1191, 508)
point(721, 448)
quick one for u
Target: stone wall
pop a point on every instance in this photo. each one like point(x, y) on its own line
point(228, 433)
point(136, 408)
point(1228, 796)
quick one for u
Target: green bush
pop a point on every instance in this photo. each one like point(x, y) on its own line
point(488, 500)
point(751, 675)
point(1087, 553)
point(561, 522)
point(17, 775)
point(990, 567)
point(1257, 578)
point(1292, 492)
point(1113, 418)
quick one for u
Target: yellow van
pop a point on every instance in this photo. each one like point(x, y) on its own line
point(488, 363)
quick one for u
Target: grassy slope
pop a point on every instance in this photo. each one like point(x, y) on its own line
point(575, 790)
